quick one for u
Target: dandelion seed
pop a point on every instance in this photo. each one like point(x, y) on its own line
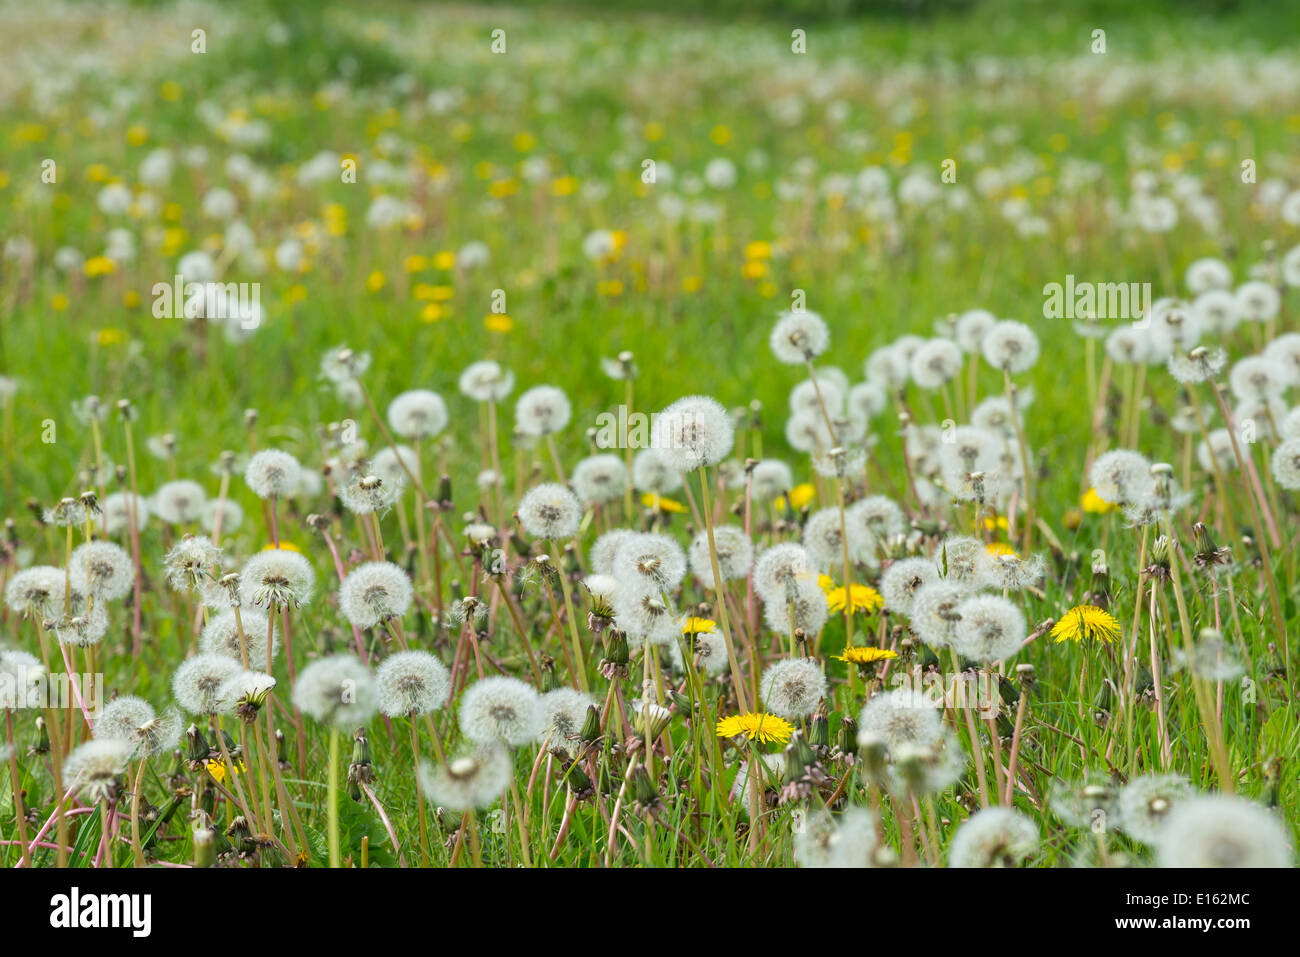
point(198, 682)
point(734, 550)
point(93, 769)
point(272, 473)
point(543, 410)
point(901, 717)
point(799, 337)
point(649, 563)
point(276, 578)
point(220, 636)
point(102, 570)
point(1145, 803)
point(692, 432)
point(901, 580)
point(599, 478)
point(417, 414)
point(179, 502)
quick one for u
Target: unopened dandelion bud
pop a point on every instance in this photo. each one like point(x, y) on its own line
point(644, 793)
point(590, 725)
point(820, 734)
point(1027, 675)
point(444, 490)
point(578, 779)
point(652, 719)
point(683, 702)
point(42, 737)
point(250, 418)
point(205, 847)
point(799, 756)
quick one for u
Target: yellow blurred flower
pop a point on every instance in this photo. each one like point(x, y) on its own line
point(498, 322)
point(865, 599)
point(99, 266)
point(1094, 504)
point(444, 260)
point(651, 500)
point(864, 655)
point(59, 302)
point(375, 281)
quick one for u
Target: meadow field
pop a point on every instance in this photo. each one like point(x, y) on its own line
point(495, 435)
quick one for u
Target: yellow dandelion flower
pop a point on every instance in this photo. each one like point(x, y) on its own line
point(170, 90)
point(218, 769)
point(998, 523)
point(99, 266)
point(444, 260)
point(692, 284)
point(131, 299)
point(764, 727)
point(523, 142)
point(375, 281)
point(286, 545)
point(999, 548)
point(720, 135)
point(432, 312)
point(59, 302)
point(501, 188)
point(826, 584)
point(800, 496)
point(110, 337)
point(758, 249)
point(651, 500)
point(1086, 621)
point(564, 186)
point(609, 287)
point(698, 626)
point(416, 263)
point(1094, 504)
point(498, 322)
point(865, 599)
point(754, 269)
point(865, 655)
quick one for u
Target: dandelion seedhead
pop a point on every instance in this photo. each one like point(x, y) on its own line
point(375, 592)
point(336, 690)
point(501, 710)
point(410, 683)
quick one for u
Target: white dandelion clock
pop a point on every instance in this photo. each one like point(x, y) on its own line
point(899, 718)
point(1120, 476)
point(542, 410)
point(692, 432)
point(1146, 802)
point(337, 690)
point(486, 381)
point(102, 570)
point(179, 502)
point(902, 579)
point(803, 608)
point(276, 578)
point(649, 563)
point(652, 473)
point(993, 837)
point(501, 710)
point(375, 592)
point(411, 683)
point(198, 681)
point(1010, 346)
point(799, 336)
point(550, 511)
point(735, 555)
point(770, 479)
point(1220, 831)
point(93, 769)
point(936, 614)
point(990, 629)
point(469, 782)
point(599, 478)
point(564, 713)
point(221, 635)
point(1286, 465)
point(792, 688)
point(273, 474)
point(417, 414)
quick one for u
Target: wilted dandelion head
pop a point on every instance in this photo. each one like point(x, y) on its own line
point(793, 687)
point(220, 636)
point(272, 473)
point(901, 717)
point(542, 410)
point(550, 511)
point(991, 628)
point(564, 711)
point(993, 837)
point(651, 472)
point(936, 612)
point(102, 569)
point(93, 768)
point(1145, 803)
point(501, 709)
point(276, 578)
point(336, 690)
point(1120, 475)
point(799, 336)
point(179, 502)
point(375, 592)
point(192, 563)
point(410, 683)
point(198, 682)
point(417, 414)
point(1011, 346)
point(469, 782)
point(649, 563)
point(735, 554)
point(692, 432)
point(599, 478)
point(901, 580)
point(1222, 831)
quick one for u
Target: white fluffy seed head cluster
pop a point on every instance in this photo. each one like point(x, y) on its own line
point(500, 709)
point(179, 502)
point(1286, 465)
point(900, 718)
point(486, 381)
point(197, 684)
point(652, 473)
point(803, 607)
point(276, 577)
point(118, 508)
point(337, 690)
point(648, 563)
point(564, 710)
point(469, 782)
point(375, 592)
point(799, 336)
point(599, 478)
point(692, 432)
point(993, 837)
point(38, 591)
point(1146, 802)
point(990, 628)
point(780, 569)
point(606, 547)
point(410, 683)
point(1011, 346)
point(848, 841)
point(770, 479)
point(133, 720)
point(550, 511)
point(102, 569)
point(542, 410)
point(935, 614)
point(1120, 476)
point(220, 636)
point(902, 578)
point(735, 555)
point(1220, 831)
point(417, 414)
point(645, 617)
point(792, 688)
point(272, 473)
point(192, 563)
point(93, 768)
